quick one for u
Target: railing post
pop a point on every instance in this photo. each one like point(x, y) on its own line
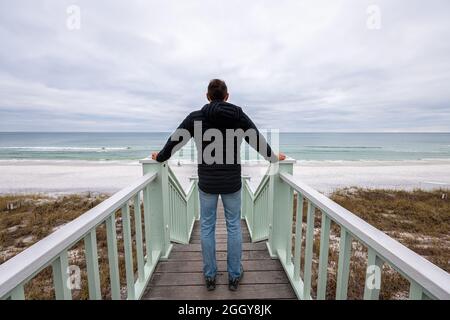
point(113, 258)
point(345, 251)
point(139, 242)
point(90, 244)
point(309, 244)
point(18, 293)
point(323, 257)
point(158, 198)
point(197, 203)
point(61, 277)
point(280, 207)
point(298, 236)
point(372, 292)
point(415, 291)
point(128, 251)
point(196, 199)
point(244, 195)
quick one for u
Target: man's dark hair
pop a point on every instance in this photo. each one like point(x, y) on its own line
point(217, 89)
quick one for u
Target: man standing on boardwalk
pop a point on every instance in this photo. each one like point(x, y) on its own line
point(218, 130)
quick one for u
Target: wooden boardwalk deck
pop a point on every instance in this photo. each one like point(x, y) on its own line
point(181, 276)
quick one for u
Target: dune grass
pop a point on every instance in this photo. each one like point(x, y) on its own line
point(418, 219)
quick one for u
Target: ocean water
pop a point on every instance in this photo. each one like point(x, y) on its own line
point(301, 146)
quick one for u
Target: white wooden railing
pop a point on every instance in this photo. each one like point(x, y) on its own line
point(183, 208)
point(427, 281)
point(255, 208)
point(167, 215)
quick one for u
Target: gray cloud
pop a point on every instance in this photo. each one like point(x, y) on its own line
point(294, 65)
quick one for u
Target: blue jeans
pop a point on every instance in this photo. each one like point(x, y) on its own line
point(208, 209)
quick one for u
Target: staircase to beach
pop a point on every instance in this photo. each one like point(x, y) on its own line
point(181, 276)
point(161, 245)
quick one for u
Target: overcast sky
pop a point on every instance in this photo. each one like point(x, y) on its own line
point(292, 65)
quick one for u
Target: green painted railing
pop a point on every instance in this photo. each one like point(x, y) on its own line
point(255, 208)
point(427, 281)
point(183, 209)
point(168, 213)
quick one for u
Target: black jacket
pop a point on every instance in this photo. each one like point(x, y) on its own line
point(225, 176)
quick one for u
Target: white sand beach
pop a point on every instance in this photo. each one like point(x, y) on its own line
point(49, 176)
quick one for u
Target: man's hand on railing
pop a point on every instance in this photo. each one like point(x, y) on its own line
point(281, 156)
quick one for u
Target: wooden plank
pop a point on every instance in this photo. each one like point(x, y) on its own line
point(197, 230)
point(197, 278)
point(224, 224)
point(220, 247)
point(221, 224)
point(250, 291)
point(220, 231)
point(221, 227)
point(224, 236)
point(196, 266)
point(245, 239)
point(222, 255)
point(181, 277)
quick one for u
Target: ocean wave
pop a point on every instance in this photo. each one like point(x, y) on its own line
point(68, 149)
point(381, 162)
point(342, 147)
point(69, 162)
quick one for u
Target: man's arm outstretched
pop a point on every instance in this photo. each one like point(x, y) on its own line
point(260, 143)
point(176, 141)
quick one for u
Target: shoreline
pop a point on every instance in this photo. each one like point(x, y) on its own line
point(77, 176)
point(358, 162)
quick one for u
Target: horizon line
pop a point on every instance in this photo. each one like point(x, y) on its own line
point(400, 132)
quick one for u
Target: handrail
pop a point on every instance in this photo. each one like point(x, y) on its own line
point(183, 208)
point(26, 264)
point(169, 213)
point(190, 189)
point(249, 189)
point(416, 268)
point(177, 183)
point(261, 185)
point(255, 208)
point(268, 213)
